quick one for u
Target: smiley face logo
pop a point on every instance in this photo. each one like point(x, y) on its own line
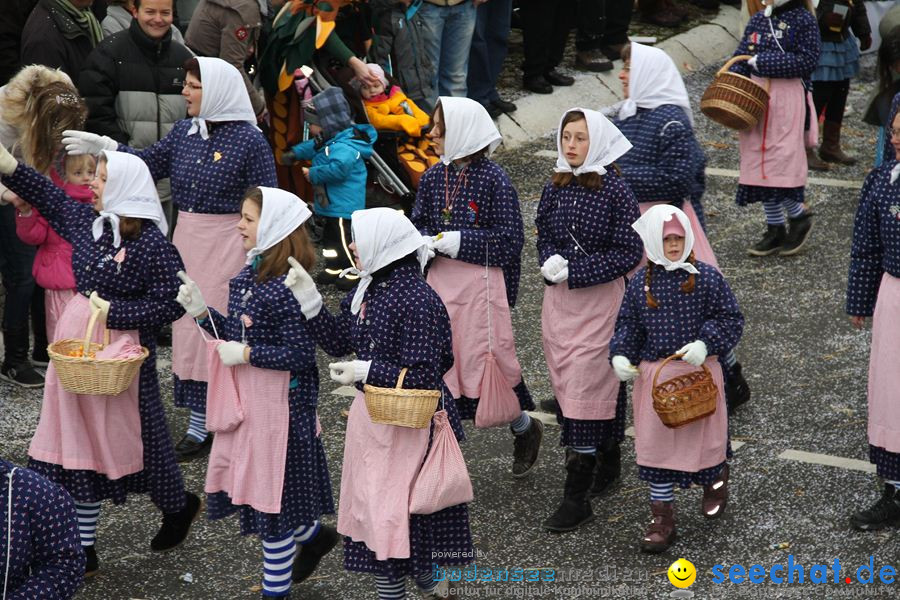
point(682, 573)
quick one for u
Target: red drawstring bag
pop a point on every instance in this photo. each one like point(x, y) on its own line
point(498, 404)
point(443, 481)
point(223, 404)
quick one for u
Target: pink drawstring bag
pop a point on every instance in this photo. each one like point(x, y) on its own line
point(498, 404)
point(443, 481)
point(223, 403)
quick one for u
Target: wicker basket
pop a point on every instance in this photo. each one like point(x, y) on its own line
point(735, 101)
point(404, 408)
point(94, 376)
point(685, 398)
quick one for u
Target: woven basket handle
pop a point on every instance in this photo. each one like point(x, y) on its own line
point(401, 378)
point(733, 60)
point(660, 368)
point(89, 333)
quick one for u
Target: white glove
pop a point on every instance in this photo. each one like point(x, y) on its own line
point(190, 297)
point(752, 63)
point(350, 371)
point(625, 371)
point(303, 288)
point(83, 142)
point(429, 247)
point(448, 243)
point(232, 353)
point(555, 269)
point(99, 303)
point(694, 353)
point(8, 163)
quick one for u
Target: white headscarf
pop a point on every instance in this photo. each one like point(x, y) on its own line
point(467, 128)
point(282, 213)
point(606, 144)
point(895, 173)
point(650, 228)
point(224, 96)
point(654, 80)
point(382, 235)
point(770, 8)
point(129, 192)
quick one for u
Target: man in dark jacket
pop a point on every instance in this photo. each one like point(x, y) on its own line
point(15, 13)
point(400, 48)
point(132, 81)
point(60, 34)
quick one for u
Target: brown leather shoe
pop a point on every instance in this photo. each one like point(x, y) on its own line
point(715, 496)
point(661, 532)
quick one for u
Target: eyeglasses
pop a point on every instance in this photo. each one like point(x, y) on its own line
point(191, 86)
point(895, 133)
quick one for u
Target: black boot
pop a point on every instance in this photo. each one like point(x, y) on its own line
point(798, 233)
point(771, 242)
point(609, 468)
point(737, 390)
point(175, 526)
point(575, 509)
point(91, 563)
point(310, 554)
point(550, 405)
point(17, 367)
point(884, 513)
point(526, 447)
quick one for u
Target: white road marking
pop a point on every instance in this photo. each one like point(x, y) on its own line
point(828, 460)
point(827, 181)
point(344, 390)
point(546, 153)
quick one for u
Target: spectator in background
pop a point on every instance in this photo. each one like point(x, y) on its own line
point(545, 28)
point(61, 34)
point(121, 12)
point(229, 29)
point(661, 13)
point(450, 25)
point(15, 13)
point(400, 48)
point(602, 33)
point(132, 82)
point(487, 53)
point(880, 106)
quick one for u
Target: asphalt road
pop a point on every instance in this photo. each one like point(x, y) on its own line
point(807, 368)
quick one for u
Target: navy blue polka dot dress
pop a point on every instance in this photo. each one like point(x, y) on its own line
point(787, 46)
point(45, 559)
point(875, 251)
point(665, 163)
point(405, 325)
point(484, 208)
point(209, 177)
point(601, 222)
point(709, 313)
point(278, 340)
point(141, 291)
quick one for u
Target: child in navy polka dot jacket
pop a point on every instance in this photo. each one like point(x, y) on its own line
point(675, 305)
point(873, 290)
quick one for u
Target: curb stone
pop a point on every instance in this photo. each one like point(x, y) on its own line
point(538, 115)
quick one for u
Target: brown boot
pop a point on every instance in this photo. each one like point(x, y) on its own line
point(715, 495)
point(830, 149)
point(661, 533)
point(813, 162)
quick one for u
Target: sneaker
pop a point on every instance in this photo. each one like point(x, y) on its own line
point(91, 563)
point(526, 447)
point(771, 242)
point(176, 526)
point(22, 375)
point(884, 513)
point(189, 448)
point(798, 233)
point(310, 554)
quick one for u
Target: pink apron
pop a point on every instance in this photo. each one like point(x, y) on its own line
point(380, 464)
point(773, 154)
point(212, 250)
point(55, 302)
point(463, 288)
point(577, 326)
point(94, 433)
point(691, 448)
point(884, 376)
point(702, 250)
point(248, 454)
